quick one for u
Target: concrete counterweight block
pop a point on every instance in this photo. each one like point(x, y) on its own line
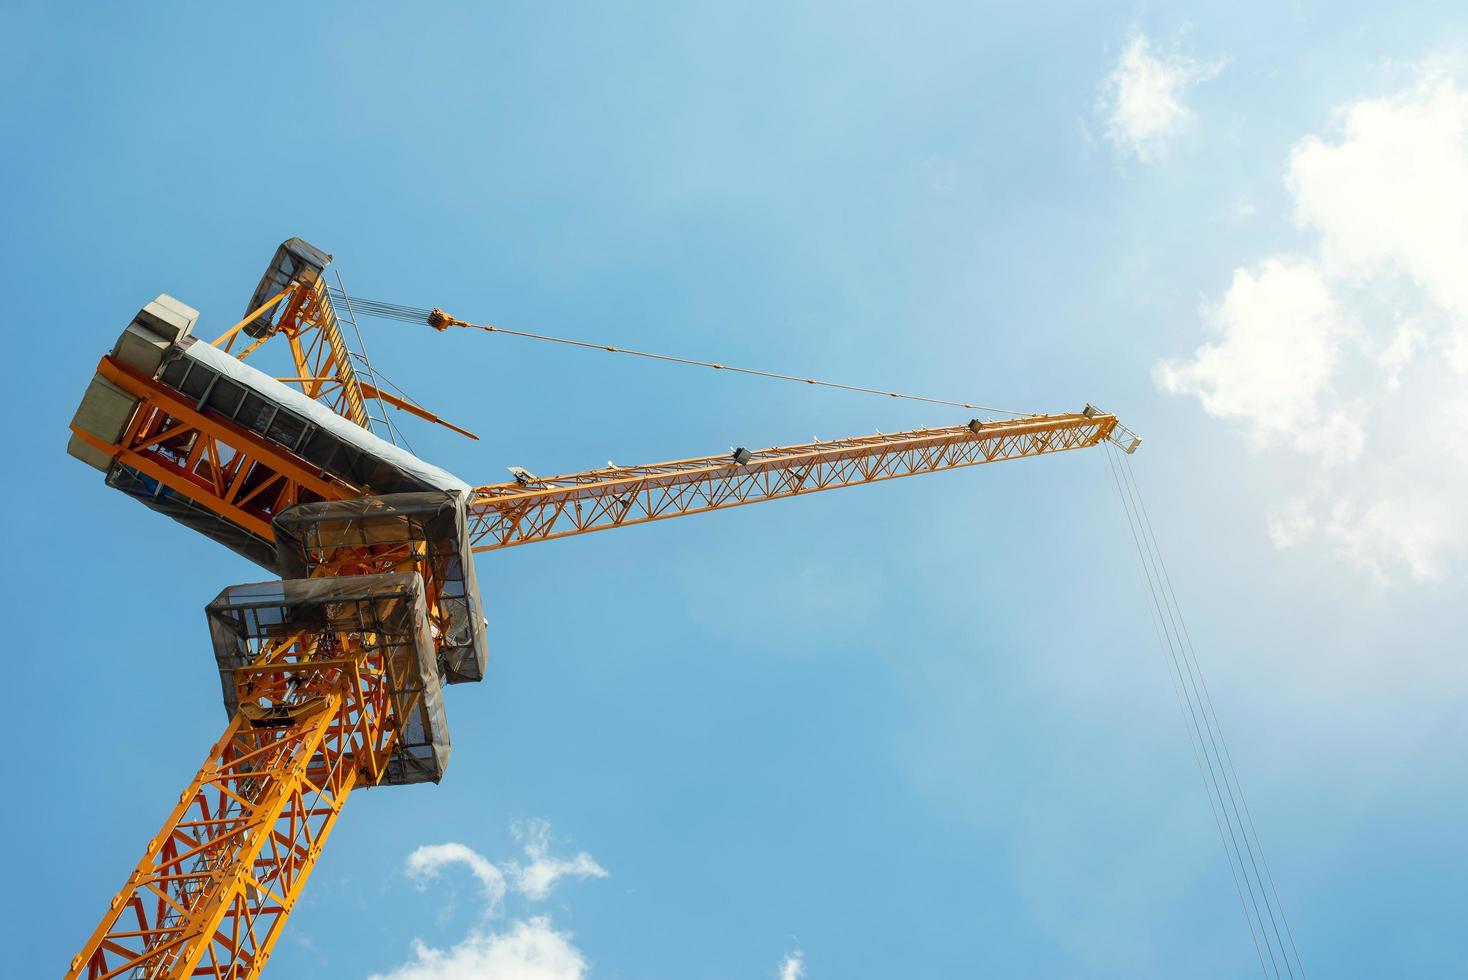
point(106, 408)
point(167, 317)
point(140, 349)
point(162, 322)
point(103, 413)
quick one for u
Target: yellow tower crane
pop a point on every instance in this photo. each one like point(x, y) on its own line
point(332, 674)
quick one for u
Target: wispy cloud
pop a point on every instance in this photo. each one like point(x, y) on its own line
point(1142, 99)
point(426, 862)
point(530, 949)
point(1279, 343)
point(1352, 356)
point(536, 877)
point(526, 949)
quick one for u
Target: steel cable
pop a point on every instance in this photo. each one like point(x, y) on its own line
point(410, 314)
point(1220, 776)
point(1247, 826)
point(1222, 783)
point(1195, 740)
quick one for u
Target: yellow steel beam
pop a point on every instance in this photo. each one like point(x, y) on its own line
point(212, 890)
point(228, 335)
point(536, 509)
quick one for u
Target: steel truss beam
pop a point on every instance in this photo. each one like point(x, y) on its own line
point(214, 462)
point(323, 362)
point(509, 514)
point(212, 890)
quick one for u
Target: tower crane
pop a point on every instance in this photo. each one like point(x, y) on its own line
point(332, 671)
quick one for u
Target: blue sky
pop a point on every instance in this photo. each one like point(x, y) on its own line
point(919, 729)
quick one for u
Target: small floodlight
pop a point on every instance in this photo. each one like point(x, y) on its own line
point(742, 456)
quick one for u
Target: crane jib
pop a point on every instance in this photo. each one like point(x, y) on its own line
point(536, 509)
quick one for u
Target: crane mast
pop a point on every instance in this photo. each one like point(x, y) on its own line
point(331, 675)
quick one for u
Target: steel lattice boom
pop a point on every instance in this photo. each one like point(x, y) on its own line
point(536, 509)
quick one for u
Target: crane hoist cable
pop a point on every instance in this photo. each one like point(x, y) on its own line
point(1188, 712)
point(1263, 911)
point(441, 321)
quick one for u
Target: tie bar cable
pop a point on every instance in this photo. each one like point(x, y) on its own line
point(441, 321)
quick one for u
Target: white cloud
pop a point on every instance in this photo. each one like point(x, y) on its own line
point(539, 875)
point(425, 863)
point(1242, 210)
point(1280, 337)
point(1391, 196)
point(1409, 530)
point(1292, 524)
point(1406, 341)
point(528, 949)
point(1351, 358)
point(1142, 98)
point(792, 967)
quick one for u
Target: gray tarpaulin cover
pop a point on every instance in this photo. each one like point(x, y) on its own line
point(309, 429)
point(433, 522)
point(157, 497)
point(385, 611)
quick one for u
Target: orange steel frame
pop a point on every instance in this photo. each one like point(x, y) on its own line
point(211, 460)
point(509, 514)
point(323, 362)
point(213, 889)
